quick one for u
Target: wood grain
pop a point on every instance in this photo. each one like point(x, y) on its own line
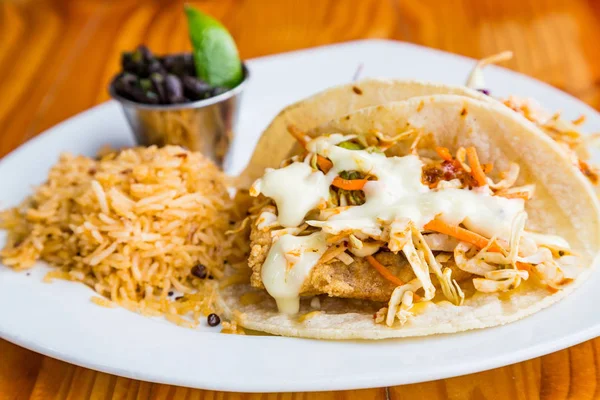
point(56, 57)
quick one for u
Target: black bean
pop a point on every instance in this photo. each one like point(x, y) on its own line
point(190, 67)
point(140, 63)
point(127, 62)
point(134, 93)
point(145, 53)
point(213, 319)
point(168, 61)
point(180, 64)
point(124, 83)
point(170, 293)
point(156, 67)
point(199, 271)
point(128, 79)
point(174, 89)
point(195, 88)
point(125, 90)
point(137, 94)
point(175, 64)
point(158, 81)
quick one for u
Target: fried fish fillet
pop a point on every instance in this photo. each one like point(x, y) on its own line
point(358, 280)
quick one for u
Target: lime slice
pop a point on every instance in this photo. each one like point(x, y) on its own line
point(215, 53)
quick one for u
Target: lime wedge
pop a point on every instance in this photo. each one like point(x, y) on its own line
point(215, 53)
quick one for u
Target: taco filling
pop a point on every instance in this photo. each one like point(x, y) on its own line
point(347, 220)
point(566, 133)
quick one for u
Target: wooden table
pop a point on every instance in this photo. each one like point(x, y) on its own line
point(56, 57)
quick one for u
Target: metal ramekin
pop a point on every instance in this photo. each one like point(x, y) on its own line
point(206, 125)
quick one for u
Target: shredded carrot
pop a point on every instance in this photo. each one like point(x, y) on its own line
point(566, 281)
point(461, 234)
point(523, 266)
point(324, 164)
point(349, 184)
point(460, 156)
point(579, 120)
point(298, 135)
point(332, 252)
point(515, 195)
point(384, 271)
point(444, 153)
point(487, 168)
point(588, 172)
point(551, 289)
point(476, 169)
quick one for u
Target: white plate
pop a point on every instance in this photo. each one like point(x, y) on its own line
point(59, 319)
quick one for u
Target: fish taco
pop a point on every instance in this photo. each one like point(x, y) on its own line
point(436, 214)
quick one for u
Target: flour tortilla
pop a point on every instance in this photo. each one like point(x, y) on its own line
point(564, 204)
point(276, 143)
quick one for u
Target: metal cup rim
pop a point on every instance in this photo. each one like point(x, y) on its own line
point(182, 106)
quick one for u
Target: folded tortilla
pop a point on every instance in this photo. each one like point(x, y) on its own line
point(564, 205)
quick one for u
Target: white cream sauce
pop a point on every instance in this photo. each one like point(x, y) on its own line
point(397, 194)
point(288, 263)
point(296, 189)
